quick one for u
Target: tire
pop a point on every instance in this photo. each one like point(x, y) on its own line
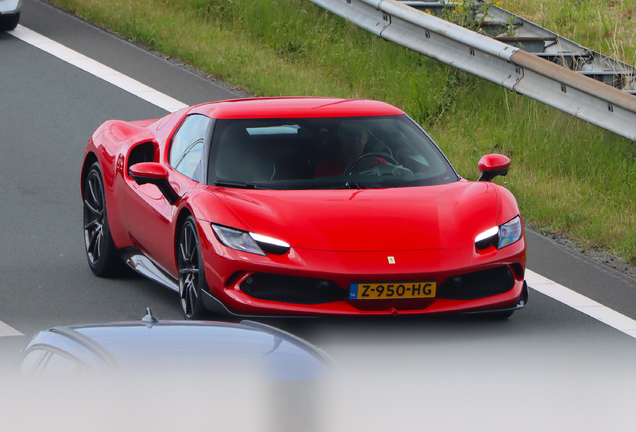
point(101, 253)
point(9, 22)
point(191, 275)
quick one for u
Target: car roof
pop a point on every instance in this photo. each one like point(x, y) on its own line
point(295, 107)
point(248, 336)
point(128, 346)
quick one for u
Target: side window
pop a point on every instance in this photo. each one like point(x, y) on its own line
point(187, 146)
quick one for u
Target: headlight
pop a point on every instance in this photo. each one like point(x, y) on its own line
point(509, 232)
point(270, 245)
point(249, 242)
point(501, 236)
point(487, 238)
point(235, 239)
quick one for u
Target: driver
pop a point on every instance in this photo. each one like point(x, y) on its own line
point(352, 138)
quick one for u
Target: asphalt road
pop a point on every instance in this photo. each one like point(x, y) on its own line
point(549, 366)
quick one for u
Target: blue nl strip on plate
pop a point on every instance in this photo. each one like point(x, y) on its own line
point(353, 291)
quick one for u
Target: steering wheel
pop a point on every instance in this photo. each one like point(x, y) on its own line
point(352, 165)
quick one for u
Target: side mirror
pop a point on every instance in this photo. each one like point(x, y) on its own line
point(156, 174)
point(492, 165)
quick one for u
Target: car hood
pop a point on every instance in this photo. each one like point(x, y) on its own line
point(407, 218)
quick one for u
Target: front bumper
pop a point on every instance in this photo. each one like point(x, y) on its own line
point(227, 272)
point(214, 305)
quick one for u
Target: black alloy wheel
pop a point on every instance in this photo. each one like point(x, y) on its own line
point(191, 275)
point(103, 257)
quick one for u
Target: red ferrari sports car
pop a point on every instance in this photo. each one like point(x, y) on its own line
point(301, 206)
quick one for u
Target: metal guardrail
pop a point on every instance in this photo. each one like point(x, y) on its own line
point(496, 61)
point(513, 30)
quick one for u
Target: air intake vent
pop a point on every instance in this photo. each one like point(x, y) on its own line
point(292, 289)
point(471, 286)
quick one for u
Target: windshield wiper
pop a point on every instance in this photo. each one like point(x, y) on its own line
point(371, 186)
point(354, 185)
point(338, 185)
point(239, 185)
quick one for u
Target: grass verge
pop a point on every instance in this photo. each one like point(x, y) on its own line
point(569, 177)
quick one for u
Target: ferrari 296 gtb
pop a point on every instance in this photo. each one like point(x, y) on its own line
point(301, 206)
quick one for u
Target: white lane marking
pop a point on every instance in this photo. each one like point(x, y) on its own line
point(581, 303)
point(97, 69)
point(535, 281)
point(6, 330)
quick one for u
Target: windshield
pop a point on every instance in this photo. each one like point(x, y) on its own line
point(325, 153)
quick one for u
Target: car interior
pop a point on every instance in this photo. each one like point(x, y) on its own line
point(282, 151)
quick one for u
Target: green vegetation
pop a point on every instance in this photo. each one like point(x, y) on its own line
point(569, 177)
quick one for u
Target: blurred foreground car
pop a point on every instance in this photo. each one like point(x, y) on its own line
point(160, 347)
point(301, 206)
point(9, 14)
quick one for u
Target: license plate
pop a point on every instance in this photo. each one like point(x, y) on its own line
point(399, 290)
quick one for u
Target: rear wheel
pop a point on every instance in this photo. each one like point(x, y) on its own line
point(103, 257)
point(191, 276)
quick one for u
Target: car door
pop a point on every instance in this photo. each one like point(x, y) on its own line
point(149, 215)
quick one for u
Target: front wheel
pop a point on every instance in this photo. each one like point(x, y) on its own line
point(191, 275)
